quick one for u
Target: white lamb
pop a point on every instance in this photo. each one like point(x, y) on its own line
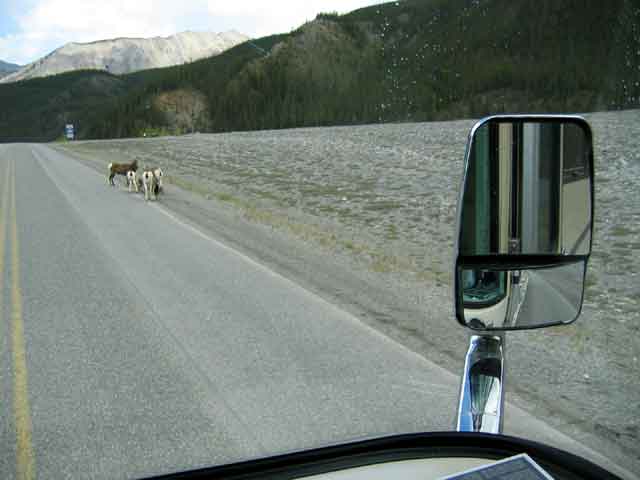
point(132, 180)
point(158, 173)
point(150, 185)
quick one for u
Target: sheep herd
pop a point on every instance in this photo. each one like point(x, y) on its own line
point(150, 180)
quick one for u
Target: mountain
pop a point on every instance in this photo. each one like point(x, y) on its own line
point(411, 60)
point(407, 60)
point(126, 55)
point(7, 68)
point(37, 109)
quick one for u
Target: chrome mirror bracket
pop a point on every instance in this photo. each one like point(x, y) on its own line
point(481, 401)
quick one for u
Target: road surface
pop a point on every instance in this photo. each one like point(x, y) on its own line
point(132, 343)
point(552, 295)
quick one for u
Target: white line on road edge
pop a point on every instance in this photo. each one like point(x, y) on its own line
point(560, 438)
point(315, 296)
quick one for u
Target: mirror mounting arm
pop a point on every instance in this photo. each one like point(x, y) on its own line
point(481, 399)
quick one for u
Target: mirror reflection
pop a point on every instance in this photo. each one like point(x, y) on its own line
point(485, 387)
point(527, 190)
point(501, 299)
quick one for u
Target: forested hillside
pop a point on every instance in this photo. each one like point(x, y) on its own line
point(422, 60)
point(411, 60)
point(36, 110)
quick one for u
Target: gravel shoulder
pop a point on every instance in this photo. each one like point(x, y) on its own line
point(363, 216)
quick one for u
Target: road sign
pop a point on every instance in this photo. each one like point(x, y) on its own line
point(69, 131)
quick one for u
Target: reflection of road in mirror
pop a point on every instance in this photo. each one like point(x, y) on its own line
point(553, 296)
point(522, 298)
point(517, 293)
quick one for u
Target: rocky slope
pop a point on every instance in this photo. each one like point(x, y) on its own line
point(125, 55)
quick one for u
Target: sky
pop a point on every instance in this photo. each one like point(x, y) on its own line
point(29, 29)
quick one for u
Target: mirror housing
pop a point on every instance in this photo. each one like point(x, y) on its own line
point(525, 222)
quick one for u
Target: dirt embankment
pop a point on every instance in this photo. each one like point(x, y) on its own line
point(185, 110)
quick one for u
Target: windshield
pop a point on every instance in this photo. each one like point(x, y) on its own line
point(227, 228)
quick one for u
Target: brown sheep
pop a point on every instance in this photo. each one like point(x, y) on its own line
point(121, 169)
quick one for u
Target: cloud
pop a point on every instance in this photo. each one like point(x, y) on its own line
point(94, 19)
point(44, 25)
point(279, 16)
point(48, 24)
point(20, 48)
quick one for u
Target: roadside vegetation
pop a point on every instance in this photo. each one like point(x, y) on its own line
point(412, 60)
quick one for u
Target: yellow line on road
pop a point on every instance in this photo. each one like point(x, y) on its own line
point(4, 208)
point(25, 464)
point(4, 203)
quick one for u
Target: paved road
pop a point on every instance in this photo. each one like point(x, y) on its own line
point(131, 343)
point(552, 295)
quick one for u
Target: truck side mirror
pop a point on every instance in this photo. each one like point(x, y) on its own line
point(525, 222)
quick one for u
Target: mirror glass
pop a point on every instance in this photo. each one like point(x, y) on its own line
point(527, 189)
point(514, 299)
